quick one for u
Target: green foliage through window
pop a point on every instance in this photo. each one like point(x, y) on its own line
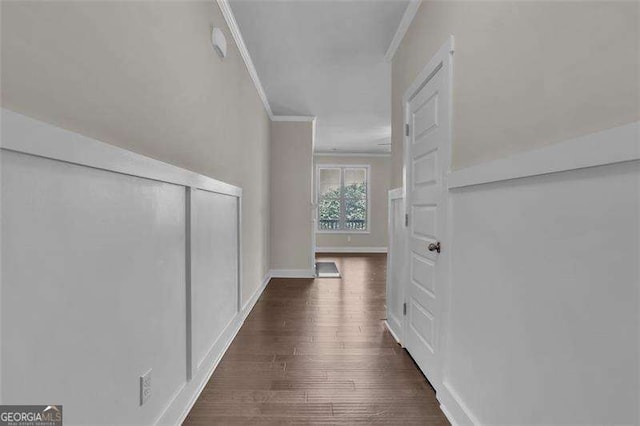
point(354, 203)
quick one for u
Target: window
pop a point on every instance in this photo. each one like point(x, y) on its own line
point(343, 198)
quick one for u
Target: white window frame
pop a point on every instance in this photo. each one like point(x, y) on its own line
point(367, 167)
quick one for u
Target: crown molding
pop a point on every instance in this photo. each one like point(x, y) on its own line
point(225, 7)
point(351, 154)
point(407, 18)
point(293, 118)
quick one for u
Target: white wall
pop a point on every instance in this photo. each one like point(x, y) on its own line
point(113, 264)
point(291, 189)
point(376, 237)
point(526, 73)
point(92, 289)
point(101, 288)
point(143, 76)
point(396, 264)
point(543, 322)
point(214, 269)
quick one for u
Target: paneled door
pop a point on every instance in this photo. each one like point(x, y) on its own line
point(426, 153)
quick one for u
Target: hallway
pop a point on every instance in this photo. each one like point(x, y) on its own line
point(316, 351)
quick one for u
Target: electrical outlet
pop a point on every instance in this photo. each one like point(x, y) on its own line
point(348, 238)
point(145, 387)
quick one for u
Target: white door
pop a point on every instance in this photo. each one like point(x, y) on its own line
point(427, 151)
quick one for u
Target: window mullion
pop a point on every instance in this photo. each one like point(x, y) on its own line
point(342, 206)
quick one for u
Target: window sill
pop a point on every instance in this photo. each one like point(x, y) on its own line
point(341, 231)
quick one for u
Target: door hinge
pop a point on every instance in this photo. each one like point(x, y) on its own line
point(406, 219)
point(404, 308)
point(406, 129)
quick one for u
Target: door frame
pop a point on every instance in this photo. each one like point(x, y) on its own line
point(314, 206)
point(394, 324)
point(442, 61)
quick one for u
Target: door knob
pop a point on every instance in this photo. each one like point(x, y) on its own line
point(434, 246)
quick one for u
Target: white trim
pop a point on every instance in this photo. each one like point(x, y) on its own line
point(351, 249)
point(596, 149)
point(244, 52)
point(405, 22)
point(395, 193)
point(293, 273)
point(305, 118)
point(341, 231)
point(314, 206)
point(316, 203)
point(447, 48)
point(457, 411)
point(240, 252)
point(29, 136)
point(26, 135)
point(391, 331)
point(248, 305)
point(441, 61)
point(351, 154)
point(235, 326)
point(446, 413)
point(314, 122)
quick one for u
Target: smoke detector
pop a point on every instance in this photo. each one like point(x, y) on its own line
point(219, 42)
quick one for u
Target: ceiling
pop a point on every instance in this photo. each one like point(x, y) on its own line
point(326, 59)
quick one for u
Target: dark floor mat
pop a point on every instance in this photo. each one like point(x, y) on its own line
point(327, 270)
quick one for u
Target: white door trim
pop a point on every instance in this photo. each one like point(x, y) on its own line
point(442, 61)
point(442, 57)
point(314, 207)
point(392, 253)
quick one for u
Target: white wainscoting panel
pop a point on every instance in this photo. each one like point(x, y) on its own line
point(542, 325)
point(214, 273)
point(113, 264)
point(396, 264)
point(544, 298)
point(92, 289)
point(608, 146)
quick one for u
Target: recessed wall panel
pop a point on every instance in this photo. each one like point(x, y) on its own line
point(93, 289)
point(214, 260)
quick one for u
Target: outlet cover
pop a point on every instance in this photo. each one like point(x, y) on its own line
point(145, 387)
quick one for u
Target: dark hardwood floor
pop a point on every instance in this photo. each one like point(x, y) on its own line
point(317, 352)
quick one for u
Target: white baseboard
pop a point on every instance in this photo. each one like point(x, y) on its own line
point(292, 273)
point(453, 407)
point(230, 332)
point(351, 249)
point(393, 333)
point(176, 415)
point(246, 308)
point(448, 415)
